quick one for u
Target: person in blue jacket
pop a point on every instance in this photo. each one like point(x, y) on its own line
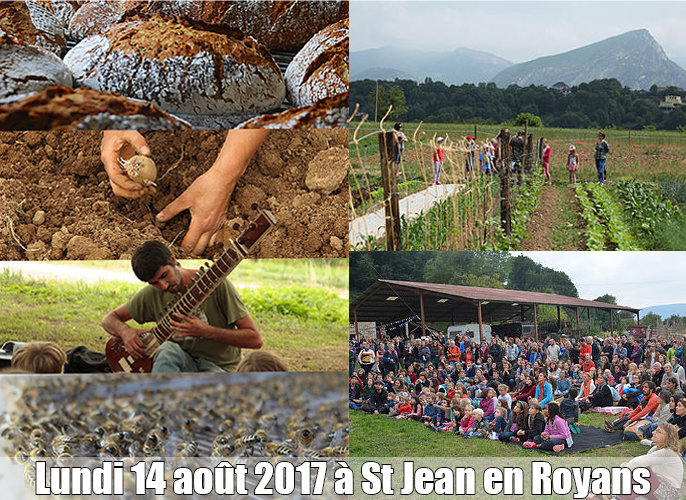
point(544, 390)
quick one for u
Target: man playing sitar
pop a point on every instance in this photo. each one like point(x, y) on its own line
point(208, 340)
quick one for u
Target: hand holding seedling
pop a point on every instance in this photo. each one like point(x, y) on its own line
point(124, 145)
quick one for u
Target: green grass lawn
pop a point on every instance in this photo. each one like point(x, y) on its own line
point(381, 436)
point(300, 307)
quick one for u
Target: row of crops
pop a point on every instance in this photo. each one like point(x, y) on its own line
point(470, 219)
point(630, 215)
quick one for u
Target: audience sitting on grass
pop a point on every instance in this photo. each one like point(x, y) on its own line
point(503, 389)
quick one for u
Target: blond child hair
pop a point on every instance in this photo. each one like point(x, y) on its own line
point(40, 357)
point(261, 361)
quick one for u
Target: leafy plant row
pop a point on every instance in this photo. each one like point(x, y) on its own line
point(611, 213)
point(644, 205)
point(524, 202)
point(595, 232)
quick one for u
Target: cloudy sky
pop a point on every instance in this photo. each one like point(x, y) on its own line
point(637, 279)
point(516, 31)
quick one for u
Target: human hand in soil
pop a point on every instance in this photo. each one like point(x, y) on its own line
point(208, 196)
point(123, 144)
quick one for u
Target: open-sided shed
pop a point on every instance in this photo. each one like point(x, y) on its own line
point(389, 300)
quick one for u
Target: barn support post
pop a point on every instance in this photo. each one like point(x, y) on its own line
point(612, 331)
point(578, 328)
point(421, 308)
point(638, 318)
point(588, 316)
point(559, 324)
point(357, 331)
point(478, 315)
point(521, 313)
point(535, 324)
point(387, 144)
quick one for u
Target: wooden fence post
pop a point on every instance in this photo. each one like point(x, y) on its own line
point(505, 151)
point(387, 144)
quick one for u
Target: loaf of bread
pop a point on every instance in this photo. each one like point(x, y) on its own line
point(33, 24)
point(62, 108)
point(284, 25)
point(96, 17)
point(187, 67)
point(331, 112)
point(320, 69)
point(25, 69)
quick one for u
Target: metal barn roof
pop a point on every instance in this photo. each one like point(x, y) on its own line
point(389, 300)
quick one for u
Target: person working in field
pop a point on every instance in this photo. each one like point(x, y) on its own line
point(517, 158)
point(438, 161)
point(545, 160)
point(572, 164)
point(208, 341)
point(601, 150)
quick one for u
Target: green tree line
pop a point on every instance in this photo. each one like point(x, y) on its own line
point(598, 104)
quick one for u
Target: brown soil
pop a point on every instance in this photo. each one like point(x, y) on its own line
point(539, 227)
point(56, 201)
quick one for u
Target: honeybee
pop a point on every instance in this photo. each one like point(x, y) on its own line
point(279, 450)
point(266, 421)
point(225, 450)
point(89, 445)
point(302, 437)
point(226, 425)
point(336, 451)
point(187, 450)
point(221, 440)
point(259, 436)
point(309, 453)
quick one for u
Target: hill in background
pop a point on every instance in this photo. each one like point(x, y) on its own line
point(453, 68)
point(634, 58)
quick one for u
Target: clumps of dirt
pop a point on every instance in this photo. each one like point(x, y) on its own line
point(56, 201)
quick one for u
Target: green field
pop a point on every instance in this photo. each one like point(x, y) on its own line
point(370, 438)
point(655, 159)
point(299, 305)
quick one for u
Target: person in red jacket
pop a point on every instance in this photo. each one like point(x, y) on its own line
point(545, 159)
point(648, 405)
point(438, 161)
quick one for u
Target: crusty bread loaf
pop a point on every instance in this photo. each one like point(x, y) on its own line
point(33, 24)
point(331, 112)
point(184, 68)
point(61, 108)
point(284, 25)
point(320, 69)
point(25, 69)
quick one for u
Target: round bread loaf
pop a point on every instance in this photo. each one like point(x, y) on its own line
point(320, 69)
point(331, 112)
point(284, 25)
point(25, 69)
point(184, 68)
point(33, 24)
point(61, 108)
point(95, 17)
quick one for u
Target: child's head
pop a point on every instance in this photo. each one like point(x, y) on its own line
point(478, 414)
point(573, 392)
point(502, 389)
point(261, 361)
point(665, 396)
point(534, 407)
point(501, 411)
point(40, 357)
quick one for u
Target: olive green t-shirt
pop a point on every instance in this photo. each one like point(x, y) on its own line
point(221, 309)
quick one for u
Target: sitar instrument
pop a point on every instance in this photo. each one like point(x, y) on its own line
point(204, 283)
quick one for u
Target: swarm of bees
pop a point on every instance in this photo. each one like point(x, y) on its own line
point(295, 416)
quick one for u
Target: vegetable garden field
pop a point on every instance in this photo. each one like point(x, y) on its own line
point(641, 206)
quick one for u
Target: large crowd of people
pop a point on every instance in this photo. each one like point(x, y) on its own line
point(523, 390)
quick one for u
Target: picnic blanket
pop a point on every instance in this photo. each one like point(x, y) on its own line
point(590, 438)
point(610, 410)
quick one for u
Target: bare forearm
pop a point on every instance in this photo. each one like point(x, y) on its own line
point(234, 157)
point(114, 325)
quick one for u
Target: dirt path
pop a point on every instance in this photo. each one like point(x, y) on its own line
point(539, 227)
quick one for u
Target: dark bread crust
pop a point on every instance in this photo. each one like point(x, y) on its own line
point(61, 108)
